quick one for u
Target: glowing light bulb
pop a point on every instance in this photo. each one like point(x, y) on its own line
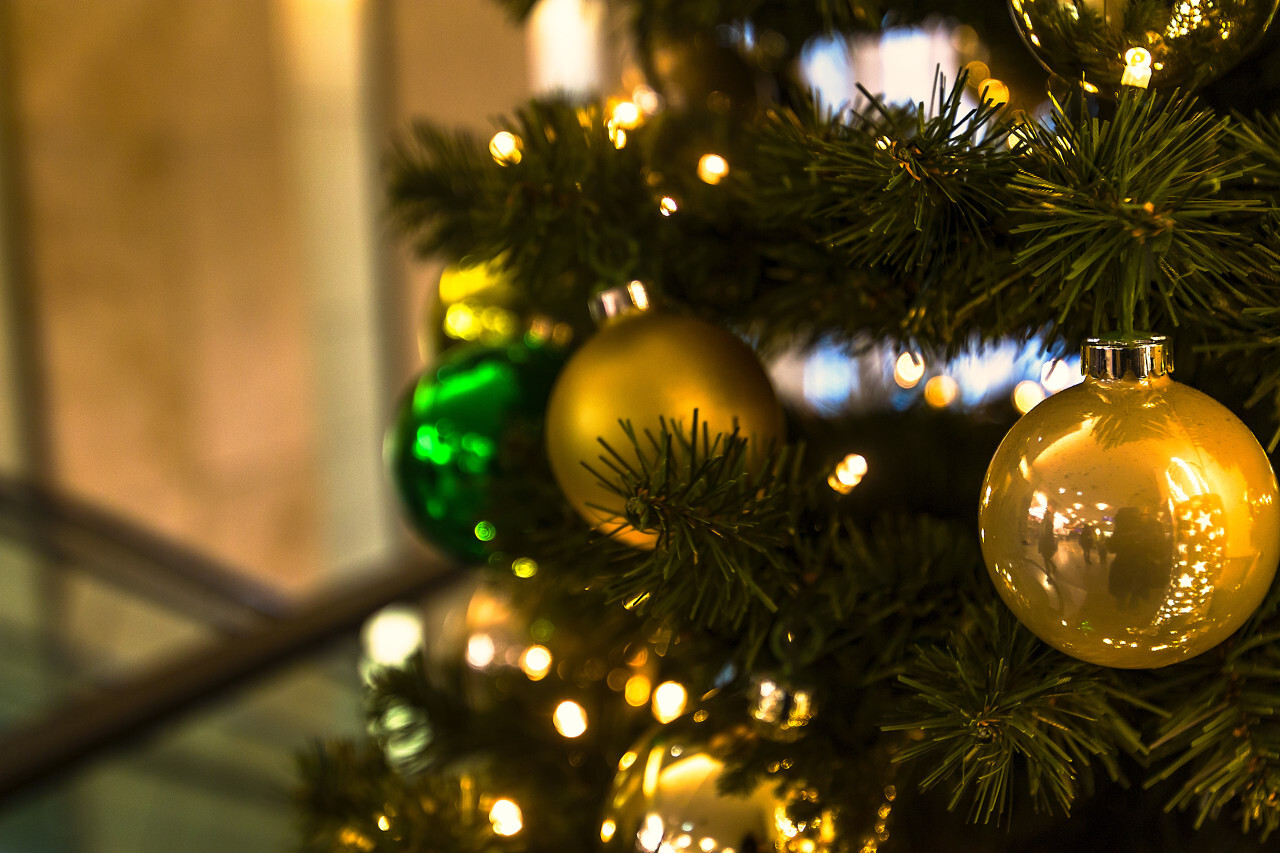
point(908, 369)
point(524, 567)
point(607, 829)
point(637, 691)
point(712, 168)
point(570, 719)
point(393, 634)
point(617, 135)
point(627, 114)
point(941, 391)
point(536, 662)
point(1137, 68)
point(480, 651)
point(506, 817)
point(647, 99)
point(668, 205)
point(848, 473)
point(995, 91)
point(1056, 375)
point(505, 147)
point(669, 699)
point(1026, 394)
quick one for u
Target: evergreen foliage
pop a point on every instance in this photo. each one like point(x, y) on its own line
point(930, 227)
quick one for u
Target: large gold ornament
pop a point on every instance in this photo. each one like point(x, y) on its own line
point(1162, 43)
point(1130, 521)
point(640, 366)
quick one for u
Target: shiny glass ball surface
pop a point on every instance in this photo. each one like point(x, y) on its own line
point(1180, 43)
point(643, 367)
point(1131, 523)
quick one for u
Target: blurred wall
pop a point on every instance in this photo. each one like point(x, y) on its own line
point(221, 317)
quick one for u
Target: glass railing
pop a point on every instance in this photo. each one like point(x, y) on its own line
point(151, 702)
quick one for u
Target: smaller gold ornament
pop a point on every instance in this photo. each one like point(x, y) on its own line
point(643, 366)
point(1162, 43)
point(1130, 521)
point(667, 796)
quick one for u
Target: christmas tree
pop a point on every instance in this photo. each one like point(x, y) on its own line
point(901, 617)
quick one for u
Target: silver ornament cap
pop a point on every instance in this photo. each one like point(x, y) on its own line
point(617, 301)
point(1109, 358)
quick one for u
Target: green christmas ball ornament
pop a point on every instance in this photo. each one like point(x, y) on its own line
point(1165, 44)
point(443, 448)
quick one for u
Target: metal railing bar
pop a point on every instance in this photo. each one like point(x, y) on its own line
point(86, 728)
point(96, 540)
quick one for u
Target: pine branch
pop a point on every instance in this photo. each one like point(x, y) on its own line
point(1223, 738)
point(1130, 212)
point(995, 709)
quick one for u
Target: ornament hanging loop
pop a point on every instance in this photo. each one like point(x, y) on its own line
point(1108, 358)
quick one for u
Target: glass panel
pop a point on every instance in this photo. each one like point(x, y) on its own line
point(217, 779)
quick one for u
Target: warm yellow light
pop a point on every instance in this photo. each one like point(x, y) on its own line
point(978, 72)
point(646, 99)
point(393, 634)
point(617, 135)
point(607, 829)
point(628, 758)
point(637, 691)
point(383, 823)
point(941, 391)
point(461, 322)
point(1137, 56)
point(458, 282)
point(712, 168)
point(848, 473)
point(995, 91)
point(668, 205)
point(524, 567)
point(669, 699)
point(1026, 394)
point(1056, 375)
point(536, 662)
point(570, 719)
point(627, 114)
point(480, 651)
point(908, 369)
point(505, 148)
point(506, 817)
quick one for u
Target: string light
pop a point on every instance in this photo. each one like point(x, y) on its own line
point(570, 719)
point(506, 148)
point(1137, 68)
point(712, 168)
point(668, 205)
point(637, 691)
point(1026, 394)
point(607, 829)
point(669, 699)
point(627, 114)
point(506, 817)
point(536, 662)
point(848, 473)
point(941, 391)
point(908, 370)
point(480, 651)
point(994, 91)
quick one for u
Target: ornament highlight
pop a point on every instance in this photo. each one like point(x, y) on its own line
point(443, 447)
point(1163, 43)
point(641, 366)
point(667, 796)
point(1130, 521)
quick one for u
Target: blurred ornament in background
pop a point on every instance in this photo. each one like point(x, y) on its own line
point(444, 449)
point(1166, 44)
point(640, 366)
point(668, 796)
point(1130, 521)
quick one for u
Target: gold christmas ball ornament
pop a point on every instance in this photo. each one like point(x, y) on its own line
point(1130, 521)
point(1164, 44)
point(667, 796)
point(642, 366)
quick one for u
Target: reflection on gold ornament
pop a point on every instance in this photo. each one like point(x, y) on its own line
point(666, 797)
point(642, 366)
point(1130, 522)
point(1163, 43)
